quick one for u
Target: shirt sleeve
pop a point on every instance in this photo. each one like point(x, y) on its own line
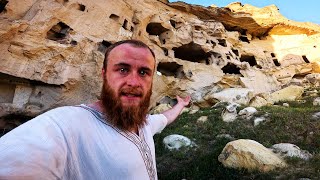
point(34, 150)
point(157, 123)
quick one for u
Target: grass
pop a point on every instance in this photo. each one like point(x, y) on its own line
point(292, 124)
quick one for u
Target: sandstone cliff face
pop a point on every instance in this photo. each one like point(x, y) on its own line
point(52, 50)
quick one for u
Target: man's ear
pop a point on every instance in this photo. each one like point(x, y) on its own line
point(103, 73)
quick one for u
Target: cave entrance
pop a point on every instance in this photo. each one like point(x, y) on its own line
point(231, 69)
point(191, 52)
point(155, 29)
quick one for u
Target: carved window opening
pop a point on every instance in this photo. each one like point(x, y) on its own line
point(173, 23)
point(171, 69)
point(82, 7)
point(131, 29)
point(165, 51)
point(155, 29)
point(276, 62)
point(191, 52)
point(231, 69)
point(250, 59)
point(197, 28)
point(125, 24)
point(273, 55)
point(222, 42)
point(59, 32)
point(236, 52)
point(102, 46)
point(244, 38)
point(114, 17)
point(3, 4)
point(304, 57)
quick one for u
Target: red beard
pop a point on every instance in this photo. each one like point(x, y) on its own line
point(129, 118)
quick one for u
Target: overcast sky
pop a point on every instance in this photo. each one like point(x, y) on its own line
point(297, 10)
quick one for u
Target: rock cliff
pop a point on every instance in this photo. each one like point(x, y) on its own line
point(52, 50)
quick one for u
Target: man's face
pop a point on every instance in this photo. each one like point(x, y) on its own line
point(129, 73)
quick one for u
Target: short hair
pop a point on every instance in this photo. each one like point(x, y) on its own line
point(132, 42)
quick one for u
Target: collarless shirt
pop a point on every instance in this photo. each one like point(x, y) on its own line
point(75, 142)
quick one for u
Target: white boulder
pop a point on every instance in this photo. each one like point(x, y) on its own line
point(316, 101)
point(176, 141)
point(290, 150)
point(229, 114)
point(247, 112)
point(258, 120)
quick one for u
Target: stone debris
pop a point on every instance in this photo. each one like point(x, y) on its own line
point(316, 101)
point(250, 155)
point(290, 150)
point(247, 112)
point(176, 141)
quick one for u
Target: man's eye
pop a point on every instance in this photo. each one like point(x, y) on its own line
point(143, 73)
point(123, 70)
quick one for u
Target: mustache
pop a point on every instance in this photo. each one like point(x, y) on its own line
point(131, 91)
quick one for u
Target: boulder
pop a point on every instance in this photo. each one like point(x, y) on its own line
point(250, 155)
point(229, 114)
point(316, 101)
point(290, 150)
point(176, 141)
point(236, 95)
point(247, 112)
point(258, 120)
point(202, 119)
point(289, 93)
point(160, 108)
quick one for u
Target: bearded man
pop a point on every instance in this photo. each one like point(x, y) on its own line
point(108, 139)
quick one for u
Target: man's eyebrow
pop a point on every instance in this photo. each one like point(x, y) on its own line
point(122, 64)
point(146, 69)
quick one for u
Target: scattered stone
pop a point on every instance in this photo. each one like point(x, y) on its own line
point(285, 105)
point(202, 119)
point(247, 112)
point(258, 102)
point(289, 93)
point(229, 114)
point(316, 116)
point(176, 141)
point(316, 101)
point(290, 150)
point(160, 108)
point(250, 155)
point(258, 120)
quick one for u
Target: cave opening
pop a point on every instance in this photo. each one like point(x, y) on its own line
point(173, 23)
point(171, 69)
point(155, 29)
point(114, 17)
point(125, 24)
point(250, 59)
point(222, 42)
point(231, 69)
point(82, 7)
point(236, 52)
point(102, 46)
point(304, 57)
point(191, 52)
point(165, 51)
point(3, 4)
point(58, 32)
point(276, 62)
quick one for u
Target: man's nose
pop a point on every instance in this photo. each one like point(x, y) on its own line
point(133, 80)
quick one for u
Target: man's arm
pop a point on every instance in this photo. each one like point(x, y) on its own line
point(174, 112)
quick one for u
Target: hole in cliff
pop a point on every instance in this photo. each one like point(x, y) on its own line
point(171, 69)
point(191, 52)
point(58, 32)
point(314, 46)
point(304, 57)
point(276, 62)
point(250, 59)
point(131, 29)
point(236, 52)
point(222, 42)
point(167, 100)
point(73, 42)
point(3, 4)
point(82, 7)
point(125, 24)
point(273, 55)
point(244, 38)
point(173, 23)
point(102, 46)
point(198, 28)
point(165, 51)
point(231, 69)
point(114, 17)
point(155, 29)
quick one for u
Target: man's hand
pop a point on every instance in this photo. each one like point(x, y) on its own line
point(174, 112)
point(184, 102)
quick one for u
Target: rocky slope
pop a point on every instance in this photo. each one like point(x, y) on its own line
point(52, 50)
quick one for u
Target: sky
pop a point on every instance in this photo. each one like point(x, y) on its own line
point(297, 10)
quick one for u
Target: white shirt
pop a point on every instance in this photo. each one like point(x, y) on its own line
point(74, 142)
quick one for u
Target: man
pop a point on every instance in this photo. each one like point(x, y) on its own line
point(108, 139)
